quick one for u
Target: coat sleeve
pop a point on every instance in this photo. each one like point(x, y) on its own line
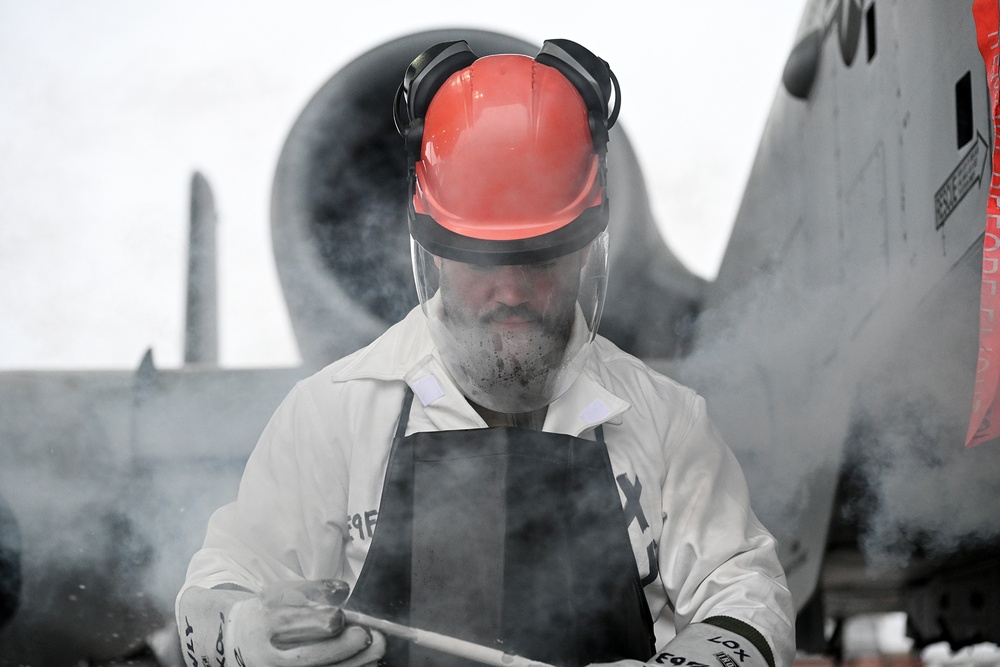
point(288, 519)
point(716, 559)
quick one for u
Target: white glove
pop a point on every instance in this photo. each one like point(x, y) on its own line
point(718, 642)
point(298, 625)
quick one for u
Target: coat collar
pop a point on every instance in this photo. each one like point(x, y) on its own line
point(406, 352)
point(585, 405)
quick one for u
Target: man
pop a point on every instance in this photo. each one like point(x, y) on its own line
point(490, 468)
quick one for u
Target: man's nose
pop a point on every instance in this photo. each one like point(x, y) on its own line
point(511, 286)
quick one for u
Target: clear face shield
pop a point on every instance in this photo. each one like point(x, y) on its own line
point(513, 337)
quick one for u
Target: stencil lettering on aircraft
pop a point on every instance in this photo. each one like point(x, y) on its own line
point(959, 183)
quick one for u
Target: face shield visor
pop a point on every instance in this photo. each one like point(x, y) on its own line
point(513, 336)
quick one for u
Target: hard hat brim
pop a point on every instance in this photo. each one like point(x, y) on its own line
point(442, 242)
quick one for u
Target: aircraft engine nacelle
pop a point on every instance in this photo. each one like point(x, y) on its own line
point(338, 218)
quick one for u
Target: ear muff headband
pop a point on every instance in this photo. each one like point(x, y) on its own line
point(424, 76)
point(592, 77)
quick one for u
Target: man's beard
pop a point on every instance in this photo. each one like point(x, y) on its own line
point(509, 370)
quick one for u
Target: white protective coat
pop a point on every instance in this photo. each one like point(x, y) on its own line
point(308, 501)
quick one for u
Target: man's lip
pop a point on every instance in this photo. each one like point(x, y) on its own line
point(514, 323)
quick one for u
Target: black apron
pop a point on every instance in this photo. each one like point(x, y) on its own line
point(507, 537)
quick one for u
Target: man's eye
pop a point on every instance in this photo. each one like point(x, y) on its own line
point(544, 266)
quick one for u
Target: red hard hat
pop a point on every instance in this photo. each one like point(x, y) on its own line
point(507, 152)
point(510, 161)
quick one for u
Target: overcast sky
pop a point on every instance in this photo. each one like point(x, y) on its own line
point(108, 106)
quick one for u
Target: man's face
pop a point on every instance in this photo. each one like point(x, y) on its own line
point(512, 323)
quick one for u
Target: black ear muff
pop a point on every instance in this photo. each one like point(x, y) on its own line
point(592, 77)
point(423, 77)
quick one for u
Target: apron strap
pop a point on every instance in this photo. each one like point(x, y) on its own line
point(404, 415)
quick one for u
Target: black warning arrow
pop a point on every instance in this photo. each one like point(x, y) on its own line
point(960, 182)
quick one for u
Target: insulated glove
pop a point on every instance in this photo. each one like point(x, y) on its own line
point(298, 624)
point(719, 641)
